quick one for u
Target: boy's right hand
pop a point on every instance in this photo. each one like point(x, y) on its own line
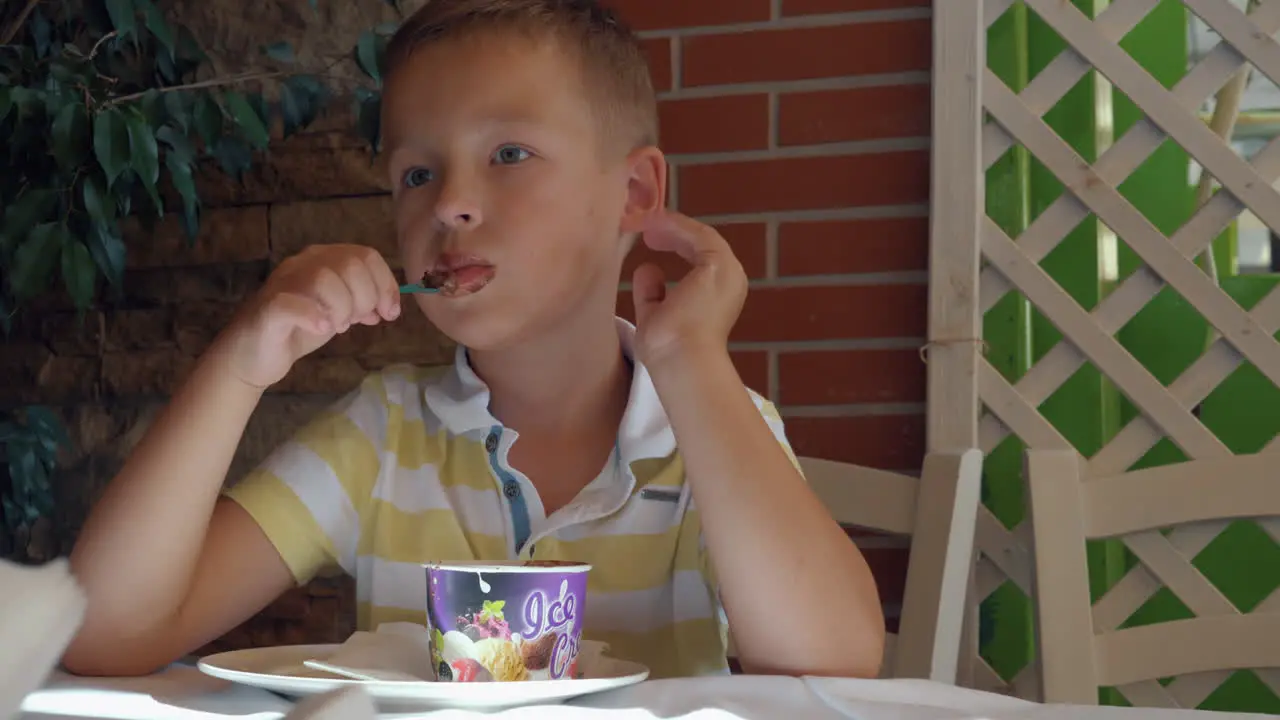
point(309, 299)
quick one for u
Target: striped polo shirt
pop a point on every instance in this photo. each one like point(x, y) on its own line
point(411, 467)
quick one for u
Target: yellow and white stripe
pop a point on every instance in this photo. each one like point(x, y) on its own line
point(411, 467)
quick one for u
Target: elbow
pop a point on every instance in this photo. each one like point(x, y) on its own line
point(97, 654)
point(116, 664)
point(857, 653)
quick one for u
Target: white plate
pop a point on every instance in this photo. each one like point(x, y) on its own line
point(280, 670)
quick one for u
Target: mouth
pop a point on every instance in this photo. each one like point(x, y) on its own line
point(455, 276)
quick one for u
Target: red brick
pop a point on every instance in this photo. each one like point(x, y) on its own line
point(875, 113)
point(818, 7)
point(746, 239)
point(753, 367)
point(853, 246)
point(661, 14)
point(806, 183)
point(782, 314)
point(888, 442)
point(851, 376)
point(889, 567)
point(804, 53)
point(657, 52)
point(720, 124)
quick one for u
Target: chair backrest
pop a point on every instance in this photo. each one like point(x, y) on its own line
point(938, 511)
point(1085, 645)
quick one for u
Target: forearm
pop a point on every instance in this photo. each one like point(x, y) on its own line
point(794, 555)
point(138, 548)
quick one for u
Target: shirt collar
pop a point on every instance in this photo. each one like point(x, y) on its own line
point(460, 400)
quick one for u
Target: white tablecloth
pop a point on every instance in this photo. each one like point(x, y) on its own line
point(184, 693)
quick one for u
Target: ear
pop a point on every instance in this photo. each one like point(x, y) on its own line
point(646, 188)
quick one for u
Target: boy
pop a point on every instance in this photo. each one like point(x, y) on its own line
point(520, 140)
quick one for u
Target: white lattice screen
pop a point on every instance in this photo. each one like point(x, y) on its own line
point(977, 119)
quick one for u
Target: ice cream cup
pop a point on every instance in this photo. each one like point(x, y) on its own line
point(505, 621)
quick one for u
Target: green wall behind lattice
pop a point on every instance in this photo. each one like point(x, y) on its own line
point(1166, 336)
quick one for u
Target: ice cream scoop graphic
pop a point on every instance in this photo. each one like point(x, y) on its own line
point(503, 659)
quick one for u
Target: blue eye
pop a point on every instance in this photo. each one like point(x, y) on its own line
point(511, 155)
point(417, 177)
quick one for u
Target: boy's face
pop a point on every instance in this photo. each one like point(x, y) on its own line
point(500, 181)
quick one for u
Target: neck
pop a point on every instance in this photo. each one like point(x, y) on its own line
point(562, 382)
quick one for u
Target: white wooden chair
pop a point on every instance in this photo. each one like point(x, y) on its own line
point(1080, 645)
point(938, 511)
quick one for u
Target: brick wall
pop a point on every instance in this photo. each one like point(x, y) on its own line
point(800, 129)
point(797, 127)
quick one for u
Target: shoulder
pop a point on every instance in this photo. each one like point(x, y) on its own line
point(382, 400)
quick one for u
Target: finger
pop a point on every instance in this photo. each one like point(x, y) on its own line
point(388, 288)
point(694, 241)
point(648, 290)
point(356, 274)
point(289, 311)
point(332, 292)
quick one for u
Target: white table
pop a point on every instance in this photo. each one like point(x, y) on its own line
point(184, 693)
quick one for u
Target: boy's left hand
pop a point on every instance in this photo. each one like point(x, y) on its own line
point(697, 314)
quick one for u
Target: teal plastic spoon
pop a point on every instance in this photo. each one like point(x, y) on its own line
point(417, 288)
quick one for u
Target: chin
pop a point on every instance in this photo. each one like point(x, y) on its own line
point(479, 329)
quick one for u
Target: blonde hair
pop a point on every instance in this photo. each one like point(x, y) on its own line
point(615, 74)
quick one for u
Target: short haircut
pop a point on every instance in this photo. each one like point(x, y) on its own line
point(615, 75)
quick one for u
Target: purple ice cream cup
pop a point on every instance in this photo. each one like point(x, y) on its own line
point(506, 621)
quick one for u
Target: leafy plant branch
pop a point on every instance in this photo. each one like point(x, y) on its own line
point(109, 110)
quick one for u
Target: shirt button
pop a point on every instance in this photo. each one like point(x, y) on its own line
point(491, 442)
point(511, 490)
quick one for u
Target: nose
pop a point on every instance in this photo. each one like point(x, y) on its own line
point(458, 206)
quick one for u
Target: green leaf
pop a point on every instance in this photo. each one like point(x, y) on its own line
point(6, 102)
point(179, 144)
point(69, 71)
point(153, 109)
point(111, 143)
point(369, 50)
point(71, 135)
point(24, 99)
point(78, 272)
point(100, 207)
point(168, 69)
point(301, 98)
point(144, 154)
point(123, 17)
point(34, 261)
point(234, 156)
point(158, 26)
point(208, 120)
point(180, 173)
point(41, 33)
point(280, 52)
point(31, 207)
point(292, 107)
point(369, 120)
point(250, 122)
point(177, 104)
point(47, 428)
point(189, 50)
point(108, 251)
